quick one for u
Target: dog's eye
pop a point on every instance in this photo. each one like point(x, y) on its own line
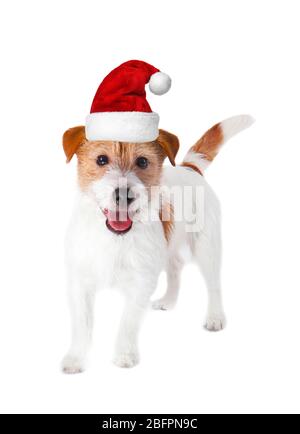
point(102, 160)
point(142, 162)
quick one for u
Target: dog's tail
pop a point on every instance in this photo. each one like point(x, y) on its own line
point(206, 149)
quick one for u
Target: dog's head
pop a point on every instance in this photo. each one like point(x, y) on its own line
point(119, 176)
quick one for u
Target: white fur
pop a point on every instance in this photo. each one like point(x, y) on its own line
point(136, 127)
point(204, 246)
point(235, 125)
point(198, 159)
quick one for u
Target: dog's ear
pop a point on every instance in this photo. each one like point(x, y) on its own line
point(72, 139)
point(170, 144)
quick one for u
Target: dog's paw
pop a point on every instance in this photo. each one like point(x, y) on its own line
point(126, 360)
point(215, 323)
point(163, 304)
point(72, 365)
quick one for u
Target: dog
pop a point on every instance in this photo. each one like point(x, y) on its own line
point(114, 240)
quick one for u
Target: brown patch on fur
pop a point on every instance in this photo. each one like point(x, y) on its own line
point(72, 139)
point(166, 215)
point(88, 169)
point(169, 143)
point(210, 143)
point(192, 166)
point(122, 156)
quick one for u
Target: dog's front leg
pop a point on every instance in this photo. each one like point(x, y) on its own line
point(81, 301)
point(126, 351)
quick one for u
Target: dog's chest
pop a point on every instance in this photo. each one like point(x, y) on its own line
point(114, 260)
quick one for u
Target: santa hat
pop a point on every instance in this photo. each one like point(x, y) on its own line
point(120, 110)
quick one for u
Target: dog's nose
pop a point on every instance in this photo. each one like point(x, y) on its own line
point(123, 196)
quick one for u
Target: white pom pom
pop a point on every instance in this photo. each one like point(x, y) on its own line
point(159, 83)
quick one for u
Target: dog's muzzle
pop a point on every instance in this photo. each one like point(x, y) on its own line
point(118, 220)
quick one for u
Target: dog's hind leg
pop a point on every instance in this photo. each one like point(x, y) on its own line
point(208, 257)
point(81, 300)
point(169, 300)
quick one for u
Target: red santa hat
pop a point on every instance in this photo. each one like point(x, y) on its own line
point(120, 110)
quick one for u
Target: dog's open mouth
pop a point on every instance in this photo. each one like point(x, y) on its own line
point(118, 222)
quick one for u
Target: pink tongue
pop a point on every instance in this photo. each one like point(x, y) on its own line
point(119, 221)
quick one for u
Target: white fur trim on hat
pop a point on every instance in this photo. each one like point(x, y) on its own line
point(136, 127)
point(160, 83)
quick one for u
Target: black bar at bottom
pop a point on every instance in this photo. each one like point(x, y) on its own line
point(90, 424)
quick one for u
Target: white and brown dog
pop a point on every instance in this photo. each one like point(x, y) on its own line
point(121, 236)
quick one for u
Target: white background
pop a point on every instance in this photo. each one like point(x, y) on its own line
point(225, 58)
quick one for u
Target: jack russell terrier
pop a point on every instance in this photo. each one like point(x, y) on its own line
point(133, 217)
